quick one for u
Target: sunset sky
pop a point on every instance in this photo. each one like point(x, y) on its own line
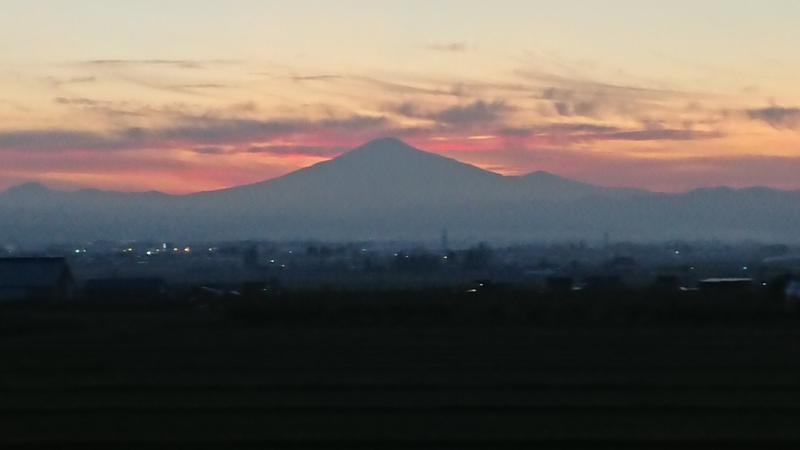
point(182, 96)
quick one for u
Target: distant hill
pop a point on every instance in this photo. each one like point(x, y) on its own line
point(387, 189)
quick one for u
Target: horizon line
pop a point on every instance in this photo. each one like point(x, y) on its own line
point(42, 184)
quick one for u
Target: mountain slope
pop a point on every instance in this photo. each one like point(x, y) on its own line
point(547, 186)
point(386, 190)
point(382, 172)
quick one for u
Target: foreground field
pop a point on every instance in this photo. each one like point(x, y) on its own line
point(199, 379)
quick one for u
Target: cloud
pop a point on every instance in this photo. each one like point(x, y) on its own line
point(175, 112)
point(147, 81)
point(90, 161)
point(580, 108)
point(200, 86)
point(149, 73)
point(77, 101)
point(290, 150)
point(560, 85)
point(188, 131)
point(515, 132)
point(456, 90)
point(569, 102)
point(210, 150)
point(274, 150)
point(658, 135)
point(108, 110)
point(58, 82)
point(180, 63)
point(409, 109)
point(402, 87)
point(564, 96)
point(777, 117)
point(354, 123)
point(451, 47)
point(587, 132)
point(578, 128)
point(215, 130)
point(55, 140)
point(477, 112)
point(321, 77)
point(212, 130)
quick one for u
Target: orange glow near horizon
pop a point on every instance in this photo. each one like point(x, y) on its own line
point(684, 105)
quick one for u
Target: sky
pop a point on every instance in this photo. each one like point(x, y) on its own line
point(186, 96)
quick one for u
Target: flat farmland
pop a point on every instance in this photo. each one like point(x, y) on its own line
point(190, 379)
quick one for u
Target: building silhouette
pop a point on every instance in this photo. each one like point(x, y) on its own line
point(35, 279)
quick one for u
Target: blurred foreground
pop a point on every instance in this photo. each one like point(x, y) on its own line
point(401, 370)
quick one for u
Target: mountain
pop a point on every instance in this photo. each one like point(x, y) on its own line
point(547, 186)
point(384, 171)
point(28, 190)
point(387, 189)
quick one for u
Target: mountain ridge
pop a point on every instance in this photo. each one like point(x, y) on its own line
point(388, 189)
point(383, 146)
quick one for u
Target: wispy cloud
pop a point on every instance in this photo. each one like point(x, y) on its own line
point(777, 117)
point(407, 88)
point(568, 102)
point(578, 128)
point(581, 84)
point(292, 116)
point(451, 47)
point(210, 150)
point(589, 132)
point(216, 130)
point(576, 96)
point(472, 113)
point(200, 86)
point(292, 150)
point(657, 135)
point(319, 77)
point(203, 132)
point(77, 101)
point(178, 63)
point(58, 82)
point(51, 140)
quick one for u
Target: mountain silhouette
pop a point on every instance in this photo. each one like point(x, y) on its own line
point(547, 186)
point(390, 171)
point(384, 171)
point(387, 189)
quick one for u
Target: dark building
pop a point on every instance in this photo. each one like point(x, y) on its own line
point(35, 279)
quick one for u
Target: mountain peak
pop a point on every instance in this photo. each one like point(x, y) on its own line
point(391, 154)
point(389, 145)
point(386, 141)
point(386, 157)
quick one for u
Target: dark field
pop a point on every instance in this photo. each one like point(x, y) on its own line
point(372, 378)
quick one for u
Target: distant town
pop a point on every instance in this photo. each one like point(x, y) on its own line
point(230, 270)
